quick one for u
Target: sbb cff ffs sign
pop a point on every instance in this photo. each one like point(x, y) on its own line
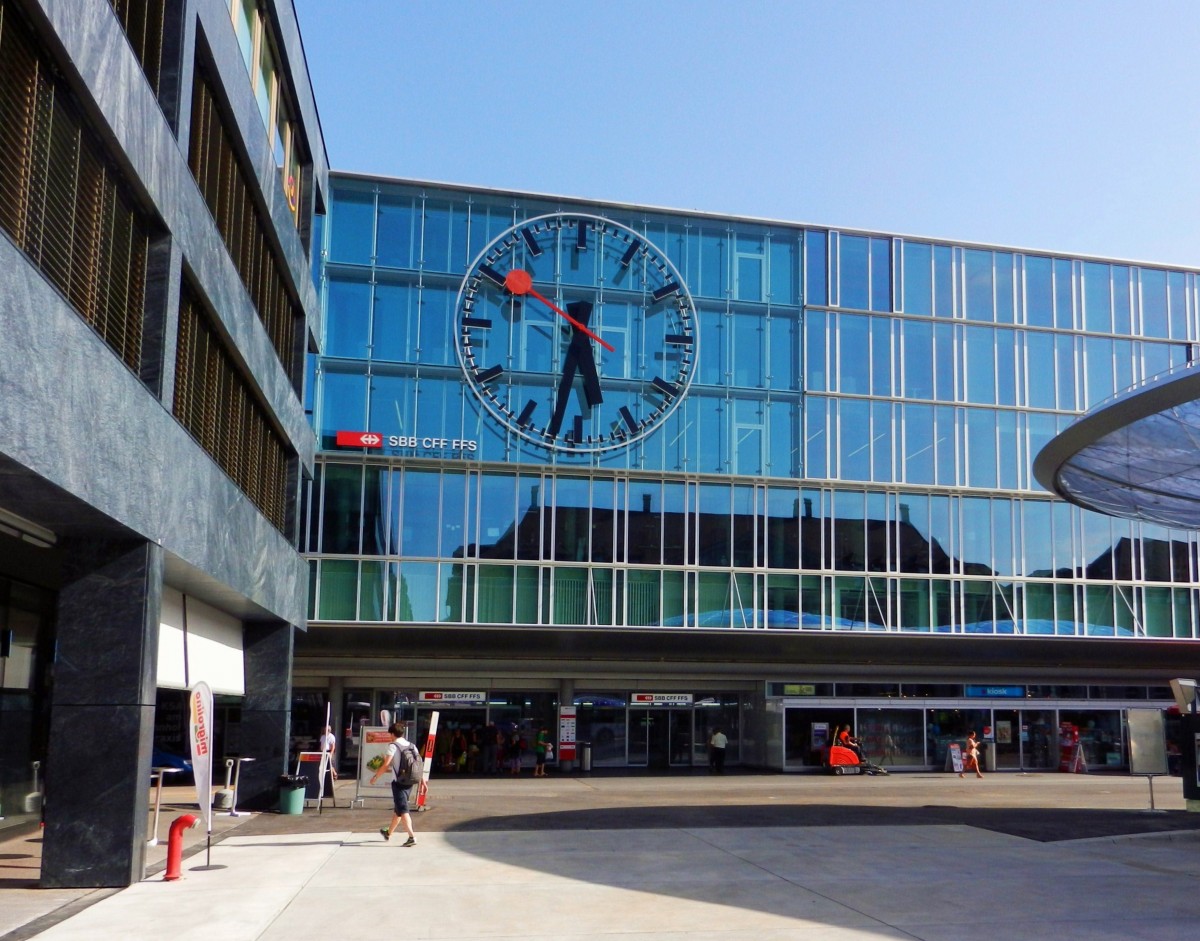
point(373, 439)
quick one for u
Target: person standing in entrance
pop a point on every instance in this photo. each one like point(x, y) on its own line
point(392, 764)
point(716, 746)
point(539, 753)
point(329, 744)
point(971, 758)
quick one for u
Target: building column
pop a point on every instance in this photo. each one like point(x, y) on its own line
point(102, 716)
point(566, 697)
point(266, 711)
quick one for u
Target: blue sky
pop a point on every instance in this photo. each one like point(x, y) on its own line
point(1067, 126)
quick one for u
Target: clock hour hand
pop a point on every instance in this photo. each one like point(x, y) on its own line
point(579, 359)
point(519, 282)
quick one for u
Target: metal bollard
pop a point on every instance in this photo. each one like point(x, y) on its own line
point(175, 845)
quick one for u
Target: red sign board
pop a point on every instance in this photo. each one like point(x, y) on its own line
point(359, 439)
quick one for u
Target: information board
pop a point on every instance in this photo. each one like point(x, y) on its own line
point(315, 766)
point(1147, 742)
point(373, 742)
point(566, 733)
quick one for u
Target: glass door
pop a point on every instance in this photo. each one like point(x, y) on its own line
point(659, 738)
point(1008, 739)
point(638, 736)
point(1039, 739)
point(681, 737)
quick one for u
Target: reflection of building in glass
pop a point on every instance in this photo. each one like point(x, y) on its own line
point(839, 512)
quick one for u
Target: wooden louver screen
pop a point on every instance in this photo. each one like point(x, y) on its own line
point(142, 21)
point(215, 404)
point(62, 202)
point(222, 181)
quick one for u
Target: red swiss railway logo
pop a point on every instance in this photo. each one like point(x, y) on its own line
point(359, 439)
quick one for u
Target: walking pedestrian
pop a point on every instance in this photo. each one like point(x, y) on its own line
point(971, 759)
point(394, 762)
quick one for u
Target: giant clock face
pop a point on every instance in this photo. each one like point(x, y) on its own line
point(576, 332)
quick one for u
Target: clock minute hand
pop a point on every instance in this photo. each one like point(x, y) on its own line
point(519, 282)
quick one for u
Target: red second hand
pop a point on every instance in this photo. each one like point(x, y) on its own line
point(519, 282)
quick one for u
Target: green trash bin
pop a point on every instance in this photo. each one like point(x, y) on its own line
point(291, 793)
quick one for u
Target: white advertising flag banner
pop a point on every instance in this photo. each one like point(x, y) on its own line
point(200, 725)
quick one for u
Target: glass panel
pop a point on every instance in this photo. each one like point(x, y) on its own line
point(785, 352)
point(1004, 287)
point(341, 516)
point(892, 737)
point(1040, 369)
point(749, 278)
point(437, 326)
point(337, 595)
point(494, 594)
point(1153, 304)
point(918, 278)
point(1176, 297)
point(943, 281)
point(784, 274)
point(918, 444)
point(748, 353)
point(1098, 354)
point(375, 497)
point(981, 447)
point(1039, 292)
point(420, 513)
point(981, 365)
point(527, 593)
point(572, 523)
point(1006, 367)
point(713, 278)
point(854, 359)
point(1064, 310)
point(979, 285)
point(348, 314)
point(815, 268)
point(1122, 310)
point(394, 324)
point(944, 356)
point(881, 274)
point(855, 277)
point(1097, 298)
point(371, 592)
point(855, 436)
point(642, 597)
point(264, 82)
point(712, 364)
point(918, 357)
point(399, 232)
point(245, 16)
point(784, 426)
point(351, 226)
point(815, 379)
point(881, 356)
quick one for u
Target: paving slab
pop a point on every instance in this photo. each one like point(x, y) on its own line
point(639, 857)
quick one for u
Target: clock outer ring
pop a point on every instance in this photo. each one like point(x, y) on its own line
point(562, 447)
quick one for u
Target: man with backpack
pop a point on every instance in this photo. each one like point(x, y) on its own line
point(404, 762)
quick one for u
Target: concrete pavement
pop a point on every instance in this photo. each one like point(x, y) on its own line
point(636, 857)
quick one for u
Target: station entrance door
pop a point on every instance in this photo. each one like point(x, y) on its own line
point(660, 737)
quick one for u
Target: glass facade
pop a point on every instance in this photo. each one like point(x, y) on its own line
point(854, 452)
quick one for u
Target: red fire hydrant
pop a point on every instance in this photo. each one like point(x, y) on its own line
point(175, 845)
